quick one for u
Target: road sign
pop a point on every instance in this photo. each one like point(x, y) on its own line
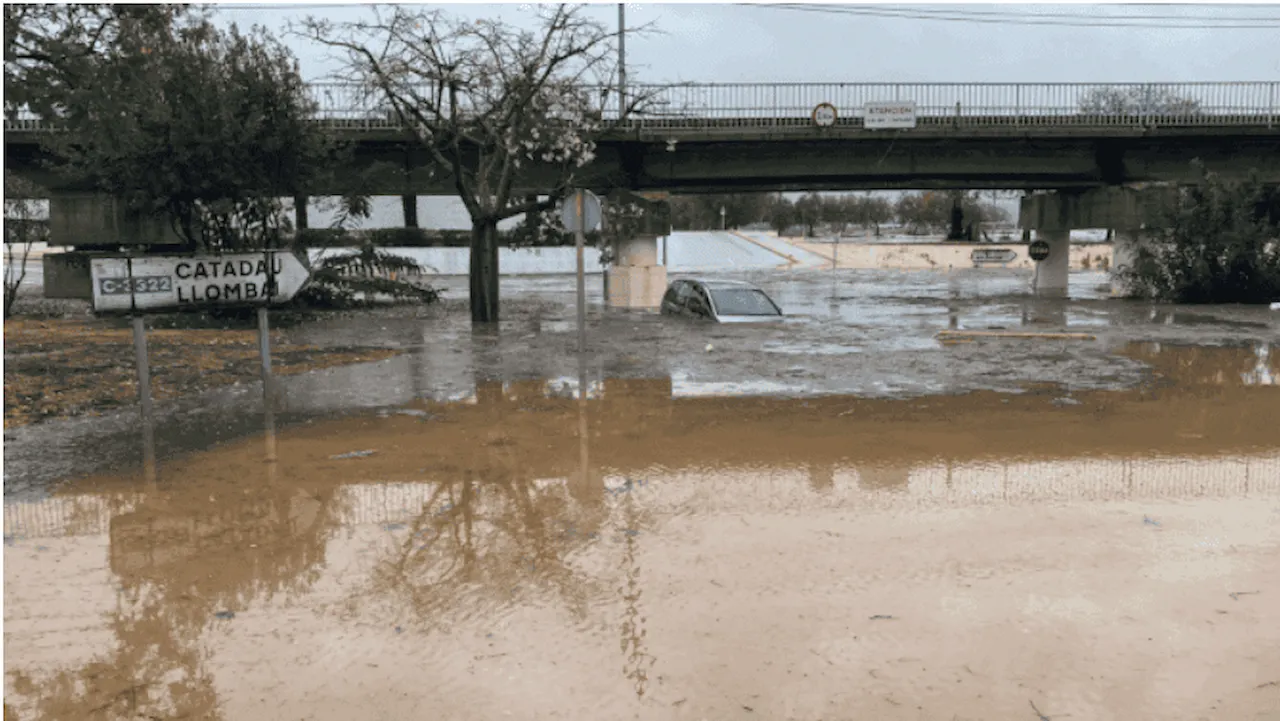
point(824, 115)
point(1039, 250)
point(580, 211)
point(192, 282)
point(992, 255)
point(888, 115)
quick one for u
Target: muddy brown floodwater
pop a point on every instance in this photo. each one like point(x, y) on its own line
point(1114, 554)
point(835, 517)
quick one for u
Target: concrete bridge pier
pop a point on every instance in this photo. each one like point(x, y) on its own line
point(1054, 215)
point(636, 280)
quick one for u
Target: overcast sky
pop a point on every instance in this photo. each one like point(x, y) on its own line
point(759, 43)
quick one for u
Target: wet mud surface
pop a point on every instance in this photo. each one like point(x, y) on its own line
point(836, 517)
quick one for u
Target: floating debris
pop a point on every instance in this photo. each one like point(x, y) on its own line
point(352, 454)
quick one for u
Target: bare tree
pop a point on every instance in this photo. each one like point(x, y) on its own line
point(493, 104)
point(1137, 100)
point(22, 230)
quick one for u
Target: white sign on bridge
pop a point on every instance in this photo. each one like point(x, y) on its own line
point(196, 282)
point(889, 115)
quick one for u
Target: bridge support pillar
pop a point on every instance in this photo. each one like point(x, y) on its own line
point(1051, 273)
point(636, 280)
point(1124, 253)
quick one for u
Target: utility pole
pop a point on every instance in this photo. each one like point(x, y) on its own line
point(622, 60)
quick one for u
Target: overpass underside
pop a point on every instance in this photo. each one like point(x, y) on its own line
point(730, 158)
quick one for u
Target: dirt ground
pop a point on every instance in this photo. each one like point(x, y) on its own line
point(60, 368)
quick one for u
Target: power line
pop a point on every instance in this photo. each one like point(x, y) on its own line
point(1039, 15)
point(955, 16)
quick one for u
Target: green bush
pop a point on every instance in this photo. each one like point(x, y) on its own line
point(1219, 243)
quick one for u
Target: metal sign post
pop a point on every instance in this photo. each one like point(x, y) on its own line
point(580, 212)
point(268, 386)
point(1038, 250)
point(144, 396)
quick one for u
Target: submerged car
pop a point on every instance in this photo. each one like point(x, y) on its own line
point(723, 301)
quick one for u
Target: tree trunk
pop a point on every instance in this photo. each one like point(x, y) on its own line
point(410, 205)
point(484, 271)
point(300, 211)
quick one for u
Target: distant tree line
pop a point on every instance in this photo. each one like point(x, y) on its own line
point(919, 213)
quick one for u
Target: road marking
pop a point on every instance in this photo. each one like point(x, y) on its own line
point(791, 260)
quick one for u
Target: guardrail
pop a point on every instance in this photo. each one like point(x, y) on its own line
point(967, 105)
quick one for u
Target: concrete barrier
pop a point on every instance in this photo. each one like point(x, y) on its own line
point(943, 256)
point(517, 261)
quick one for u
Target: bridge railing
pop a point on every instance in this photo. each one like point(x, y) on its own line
point(961, 105)
point(970, 105)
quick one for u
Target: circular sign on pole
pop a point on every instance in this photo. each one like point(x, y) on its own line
point(1039, 250)
point(580, 211)
point(824, 115)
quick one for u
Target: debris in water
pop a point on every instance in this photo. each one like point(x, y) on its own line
point(1236, 596)
point(392, 526)
point(710, 347)
point(882, 617)
point(225, 614)
point(1065, 402)
point(352, 454)
point(1040, 715)
point(1150, 521)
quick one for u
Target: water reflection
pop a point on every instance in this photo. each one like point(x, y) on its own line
point(559, 520)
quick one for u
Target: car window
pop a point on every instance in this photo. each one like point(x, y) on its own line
point(697, 306)
point(683, 292)
point(743, 301)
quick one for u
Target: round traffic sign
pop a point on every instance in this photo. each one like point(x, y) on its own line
point(824, 115)
point(1039, 250)
point(580, 211)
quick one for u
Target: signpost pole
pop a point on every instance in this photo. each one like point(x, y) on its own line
point(580, 240)
point(144, 396)
point(268, 390)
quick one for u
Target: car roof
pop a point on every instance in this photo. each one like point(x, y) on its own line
point(717, 283)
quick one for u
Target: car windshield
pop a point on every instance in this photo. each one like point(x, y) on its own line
point(742, 301)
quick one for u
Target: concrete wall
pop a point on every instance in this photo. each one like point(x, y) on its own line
point(457, 261)
point(944, 256)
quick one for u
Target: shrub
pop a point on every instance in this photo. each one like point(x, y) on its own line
point(1220, 243)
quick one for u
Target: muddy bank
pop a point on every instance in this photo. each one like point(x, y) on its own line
point(62, 368)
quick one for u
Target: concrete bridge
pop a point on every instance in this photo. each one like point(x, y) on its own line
point(768, 137)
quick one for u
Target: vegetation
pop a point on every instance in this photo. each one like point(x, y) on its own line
point(22, 229)
point(1219, 243)
point(1137, 100)
point(919, 212)
point(488, 101)
point(205, 128)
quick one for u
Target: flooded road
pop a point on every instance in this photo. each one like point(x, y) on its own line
point(838, 517)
